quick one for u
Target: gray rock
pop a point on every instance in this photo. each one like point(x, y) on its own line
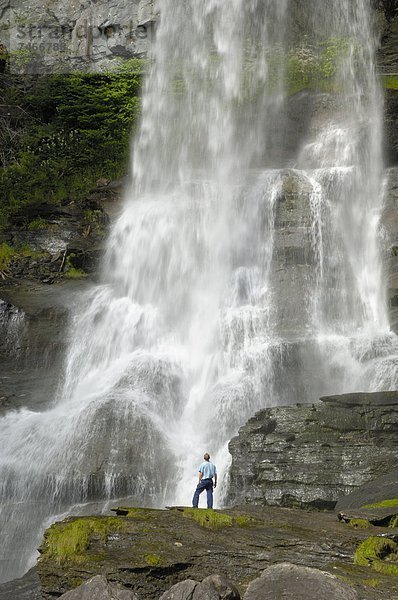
point(382, 488)
point(224, 588)
point(214, 587)
point(26, 588)
point(205, 591)
point(97, 588)
point(70, 35)
point(294, 582)
point(389, 222)
point(181, 591)
point(312, 455)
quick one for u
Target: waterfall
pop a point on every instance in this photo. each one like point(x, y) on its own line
point(238, 275)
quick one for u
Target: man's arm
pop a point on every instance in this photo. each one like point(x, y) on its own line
point(215, 479)
point(200, 476)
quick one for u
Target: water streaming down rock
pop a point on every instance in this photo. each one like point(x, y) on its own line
point(226, 286)
point(11, 327)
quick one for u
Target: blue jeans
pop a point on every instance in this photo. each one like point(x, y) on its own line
point(204, 484)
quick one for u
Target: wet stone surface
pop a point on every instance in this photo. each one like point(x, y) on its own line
point(151, 550)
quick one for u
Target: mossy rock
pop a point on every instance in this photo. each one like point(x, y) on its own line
point(246, 521)
point(383, 504)
point(393, 522)
point(73, 273)
point(207, 517)
point(379, 553)
point(372, 582)
point(149, 550)
point(153, 559)
point(69, 541)
point(390, 82)
point(359, 523)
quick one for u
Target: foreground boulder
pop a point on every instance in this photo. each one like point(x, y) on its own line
point(311, 455)
point(293, 582)
point(214, 587)
point(98, 588)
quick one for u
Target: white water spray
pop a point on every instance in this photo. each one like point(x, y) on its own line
point(196, 325)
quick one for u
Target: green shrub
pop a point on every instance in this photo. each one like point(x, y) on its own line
point(75, 129)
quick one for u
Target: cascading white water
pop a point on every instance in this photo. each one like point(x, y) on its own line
point(190, 332)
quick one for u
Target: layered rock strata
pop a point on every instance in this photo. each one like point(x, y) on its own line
point(310, 455)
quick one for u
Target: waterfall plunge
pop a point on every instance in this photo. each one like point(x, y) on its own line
point(195, 325)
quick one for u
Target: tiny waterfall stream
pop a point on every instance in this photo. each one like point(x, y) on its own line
point(204, 313)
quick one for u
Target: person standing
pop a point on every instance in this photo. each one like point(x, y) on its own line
point(207, 471)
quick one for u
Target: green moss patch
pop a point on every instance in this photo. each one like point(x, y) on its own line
point(246, 521)
point(372, 582)
point(73, 273)
point(6, 254)
point(38, 224)
point(383, 504)
point(393, 522)
point(360, 523)
point(153, 559)
point(379, 553)
point(207, 517)
point(390, 82)
point(70, 540)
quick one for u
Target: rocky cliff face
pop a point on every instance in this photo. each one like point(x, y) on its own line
point(312, 454)
point(33, 338)
point(62, 36)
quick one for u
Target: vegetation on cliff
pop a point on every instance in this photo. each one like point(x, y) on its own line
point(60, 133)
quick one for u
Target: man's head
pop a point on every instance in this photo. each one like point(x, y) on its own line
point(206, 456)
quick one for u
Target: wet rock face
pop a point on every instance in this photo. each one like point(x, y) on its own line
point(293, 259)
point(311, 455)
point(388, 54)
point(389, 224)
point(50, 240)
point(33, 337)
point(26, 588)
point(391, 127)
